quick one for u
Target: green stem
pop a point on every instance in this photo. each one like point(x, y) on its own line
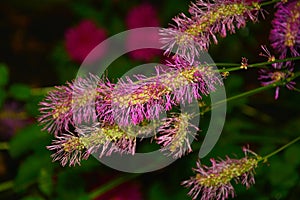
point(114, 183)
point(296, 89)
point(245, 94)
point(251, 92)
point(296, 75)
point(236, 67)
point(227, 64)
point(4, 146)
point(269, 2)
point(265, 158)
point(261, 64)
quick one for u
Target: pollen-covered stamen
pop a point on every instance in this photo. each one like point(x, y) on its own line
point(143, 94)
point(223, 11)
point(208, 19)
point(106, 140)
point(73, 144)
point(180, 136)
point(285, 34)
point(191, 75)
point(291, 30)
point(175, 134)
point(84, 99)
point(60, 110)
point(278, 76)
point(102, 135)
point(214, 182)
point(227, 173)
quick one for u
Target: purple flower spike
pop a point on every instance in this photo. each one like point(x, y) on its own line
point(208, 19)
point(72, 104)
point(285, 35)
point(69, 149)
point(105, 140)
point(278, 72)
point(103, 102)
point(176, 134)
point(182, 82)
point(95, 139)
point(56, 110)
point(132, 102)
point(214, 182)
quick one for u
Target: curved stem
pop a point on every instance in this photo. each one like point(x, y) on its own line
point(280, 149)
point(261, 64)
point(245, 94)
point(269, 2)
point(236, 67)
point(227, 64)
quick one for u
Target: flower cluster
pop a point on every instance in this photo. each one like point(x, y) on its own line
point(176, 134)
point(277, 73)
point(285, 34)
point(94, 116)
point(214, 182)
point(191, 35)
point(181, 82)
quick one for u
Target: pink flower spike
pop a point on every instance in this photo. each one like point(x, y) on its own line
point(214, 182)
point(285, 34)
point(192, 35)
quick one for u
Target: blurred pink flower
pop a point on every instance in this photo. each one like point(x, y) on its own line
point(81, 39)
point(143, 15)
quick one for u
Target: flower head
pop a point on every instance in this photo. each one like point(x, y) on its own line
point(214, 182)
point(181, 82)
point(68, 149)
point(176, 134)
point(80, 40)
point(105, 140)
point(278, 72)
point(191, 35)
point(285, 34)
point(56, 110)
point(71, 104)
point(94, 139)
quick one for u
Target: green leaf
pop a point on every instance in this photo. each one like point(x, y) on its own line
point(32, 106)
point(45, 182)
point(157, 192)
point(30, 170)
point(27, 139)
point(291, 155)
point(20, 91)
point(3, 74)
point(70, 185)
point(282, 174)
